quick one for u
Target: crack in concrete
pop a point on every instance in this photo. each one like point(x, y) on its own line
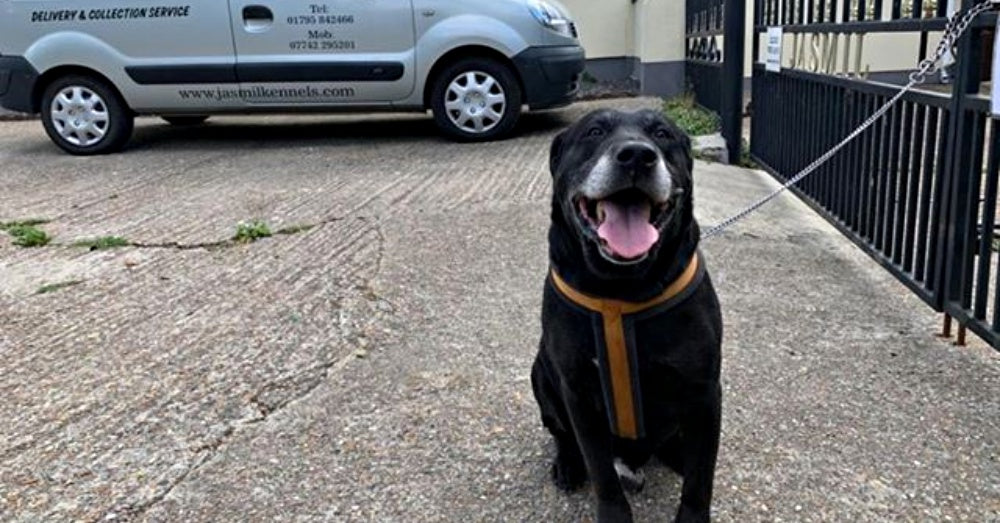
point(202, 455)
point(232, 242)
point(314, 376)
point(207, 450)
point(218, 244)
point(300, 385)
point(380, 233)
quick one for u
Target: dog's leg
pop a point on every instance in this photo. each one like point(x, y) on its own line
point(568, 472)
point(596, 444)
point(631, 456)
point(669, 453)
point(700, 446)
point(631, 477)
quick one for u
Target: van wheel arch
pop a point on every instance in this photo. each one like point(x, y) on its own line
point(460, 53)
point(46, 79)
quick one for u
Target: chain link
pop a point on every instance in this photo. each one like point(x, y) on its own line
point(958, 24)
point(956, 27)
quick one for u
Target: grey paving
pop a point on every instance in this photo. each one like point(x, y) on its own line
point(375, 367)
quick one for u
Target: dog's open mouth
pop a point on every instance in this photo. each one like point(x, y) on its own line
point(626, 224)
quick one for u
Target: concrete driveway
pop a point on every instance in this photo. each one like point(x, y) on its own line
point(375, 365)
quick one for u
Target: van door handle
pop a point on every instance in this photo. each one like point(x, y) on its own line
point(257, 18)
point(257, 12)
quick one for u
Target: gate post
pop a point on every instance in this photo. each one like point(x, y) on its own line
point(957, 225)
point(734, 20)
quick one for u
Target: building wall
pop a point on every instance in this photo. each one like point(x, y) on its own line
point(605, 27)
point(641, 41)
point(644, 42)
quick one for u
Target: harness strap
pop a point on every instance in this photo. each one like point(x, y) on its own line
point(621, 369)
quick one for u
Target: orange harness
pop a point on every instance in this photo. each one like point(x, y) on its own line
point(617, 360)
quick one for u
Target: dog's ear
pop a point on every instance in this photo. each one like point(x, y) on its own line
point(688, 152)
point(679, 149)
point(556, 152)
point(684, 144)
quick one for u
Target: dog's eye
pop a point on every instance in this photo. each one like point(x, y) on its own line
point(661, 134)
point(595, 132)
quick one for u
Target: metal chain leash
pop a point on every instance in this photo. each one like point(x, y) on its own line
point(957, 25)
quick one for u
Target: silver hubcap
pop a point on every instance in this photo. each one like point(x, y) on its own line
point(80, 116)
point(475, 102)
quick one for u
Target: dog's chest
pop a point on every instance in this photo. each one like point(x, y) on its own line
point(634, 361)
point(681, 341)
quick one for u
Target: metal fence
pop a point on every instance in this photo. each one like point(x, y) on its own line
point(714, 72)
point(971, 291)
point(802, 12)
point(918, 190)
point(703, 70)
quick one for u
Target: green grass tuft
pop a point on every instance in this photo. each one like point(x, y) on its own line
point(249, 232)
point(690, 117)
point(745, 159)
point(31, 222)
point(103, 242)
point(52, 287)
point(28, 235)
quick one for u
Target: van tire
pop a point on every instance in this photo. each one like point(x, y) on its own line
point(185, 121)
point(105, 120)
point(459, 117)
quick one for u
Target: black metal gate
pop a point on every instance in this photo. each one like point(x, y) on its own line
point(918, 190)
point(714, 74)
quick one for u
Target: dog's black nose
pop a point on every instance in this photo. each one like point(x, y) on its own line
point(637, 155)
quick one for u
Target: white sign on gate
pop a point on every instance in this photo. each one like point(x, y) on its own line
point(772, 59)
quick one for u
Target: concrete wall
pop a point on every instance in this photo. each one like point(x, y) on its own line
point(641, 41)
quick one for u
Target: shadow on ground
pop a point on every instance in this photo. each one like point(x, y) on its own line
point(232, 131)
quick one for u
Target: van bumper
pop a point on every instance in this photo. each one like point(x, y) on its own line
point(551, 75)
point(17, 84)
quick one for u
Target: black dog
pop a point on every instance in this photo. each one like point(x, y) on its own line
point(628, 365)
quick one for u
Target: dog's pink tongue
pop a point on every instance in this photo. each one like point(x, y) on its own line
point(626, 228)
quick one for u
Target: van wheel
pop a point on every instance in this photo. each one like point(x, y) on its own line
point(185, 121)
point(476, 99)
point(85, 116)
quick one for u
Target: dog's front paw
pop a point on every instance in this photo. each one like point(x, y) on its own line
point(631, 480)
point(614, 512)
point(568, 474)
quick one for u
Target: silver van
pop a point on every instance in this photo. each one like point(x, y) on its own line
point(89, 66)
